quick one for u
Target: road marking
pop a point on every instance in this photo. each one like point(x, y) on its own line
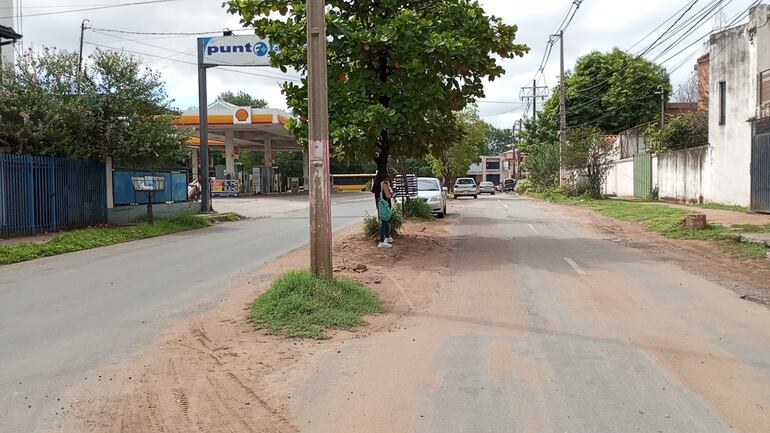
point(505, 205)
point(533, 229)
point(574, 266)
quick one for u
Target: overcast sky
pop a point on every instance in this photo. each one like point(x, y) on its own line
point(598, 24)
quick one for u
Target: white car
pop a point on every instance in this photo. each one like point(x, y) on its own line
point(466, 186)
point(430, 190)
point(487, 188)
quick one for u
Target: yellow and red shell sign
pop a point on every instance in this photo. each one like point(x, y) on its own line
point(242, 115)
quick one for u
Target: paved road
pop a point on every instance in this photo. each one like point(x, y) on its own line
point(546, 325)
point(64, 316)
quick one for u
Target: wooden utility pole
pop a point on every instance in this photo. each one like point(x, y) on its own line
point(318, 141)
point(562, 109)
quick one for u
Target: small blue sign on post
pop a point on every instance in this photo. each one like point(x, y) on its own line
point(149, 184)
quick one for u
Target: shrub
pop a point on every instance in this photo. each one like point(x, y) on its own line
point(301, 304)
point(372, 225)
point(415, 208)
point(523, 186)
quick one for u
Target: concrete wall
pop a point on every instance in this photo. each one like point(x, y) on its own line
point(130, 214)
point(727, 176)
point(680, 174)
point(620, 179)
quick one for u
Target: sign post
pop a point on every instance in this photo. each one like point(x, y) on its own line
point(318, 141)
point(246, 50)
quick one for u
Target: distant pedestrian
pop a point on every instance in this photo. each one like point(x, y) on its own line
point(385, 212)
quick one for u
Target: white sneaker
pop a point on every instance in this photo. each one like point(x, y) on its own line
point(384, 245)
point(389, 240)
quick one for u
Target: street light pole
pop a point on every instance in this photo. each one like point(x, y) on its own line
point(318, 141)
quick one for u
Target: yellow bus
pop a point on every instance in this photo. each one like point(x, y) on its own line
point(351, 182)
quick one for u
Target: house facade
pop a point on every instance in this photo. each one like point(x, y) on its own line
point(6, 25)
point(737, 167)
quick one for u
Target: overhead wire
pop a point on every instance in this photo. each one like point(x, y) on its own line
point(94, 8)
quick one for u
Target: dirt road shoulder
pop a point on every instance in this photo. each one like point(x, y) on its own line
point(210, 373)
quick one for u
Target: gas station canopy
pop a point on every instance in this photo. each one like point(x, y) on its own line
point(245, 127)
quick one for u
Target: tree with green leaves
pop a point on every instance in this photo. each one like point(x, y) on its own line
point(452, 161)
point(397, 70)
point(498, 140)
point(242, 99)
point(116, 108)
point(589, 153)
point(613, 91)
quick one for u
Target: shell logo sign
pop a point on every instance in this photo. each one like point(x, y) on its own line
point(242, 115)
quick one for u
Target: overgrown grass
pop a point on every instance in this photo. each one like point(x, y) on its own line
point(416, 208)
point(301, 304)
point(83, 239)
point(666, 220)
point(721, 206)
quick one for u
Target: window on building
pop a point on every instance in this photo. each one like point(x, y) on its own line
point(722, 102)
point(764, 88)
point(493, 165)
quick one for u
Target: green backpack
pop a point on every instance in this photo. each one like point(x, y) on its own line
point(384, 209)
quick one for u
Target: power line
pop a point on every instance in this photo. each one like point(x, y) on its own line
point(191, 63)
point(184, 53)
point(94, 8)
point(130, 32)
point(692, 5)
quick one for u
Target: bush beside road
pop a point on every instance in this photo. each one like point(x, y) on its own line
point(93, 237)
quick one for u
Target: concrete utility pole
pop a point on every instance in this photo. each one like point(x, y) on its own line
point(662, 107)
point(534, 100)
point(83, 28)
point(562, 109)
point(533, 94)
point(318, 143)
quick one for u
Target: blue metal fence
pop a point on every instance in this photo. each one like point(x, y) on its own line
point(45, 194)
point(124, 194)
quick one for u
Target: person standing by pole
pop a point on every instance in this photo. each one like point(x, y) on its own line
point(385, 212)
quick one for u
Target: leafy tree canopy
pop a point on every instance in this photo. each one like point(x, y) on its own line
point(451, 162)
point(116, 108)
point(242, 99)
point(397, 70)
point(613, 91)
point(498, 140)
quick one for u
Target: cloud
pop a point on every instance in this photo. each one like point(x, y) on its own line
point(599, 24)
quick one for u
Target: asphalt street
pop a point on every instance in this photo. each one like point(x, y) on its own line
point(63, 317)
point(546, 324)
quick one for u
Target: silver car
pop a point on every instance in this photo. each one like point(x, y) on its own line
point(466, 186)
point(429, 189)
point(487, 188)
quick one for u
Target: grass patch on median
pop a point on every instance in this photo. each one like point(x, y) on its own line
point(666, 220)
point(301, 304)
point(83, 239)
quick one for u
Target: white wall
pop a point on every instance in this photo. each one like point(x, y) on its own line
point(727, 176)
point(680, 174)
point(620, 179)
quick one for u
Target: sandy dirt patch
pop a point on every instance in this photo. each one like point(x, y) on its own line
point(215, 373)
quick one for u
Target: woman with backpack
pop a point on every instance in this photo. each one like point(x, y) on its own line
point(385, 212)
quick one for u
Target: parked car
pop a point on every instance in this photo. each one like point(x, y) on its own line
point(466, 187)
point(509, 185)
point(487, 188)
point(429, 189)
